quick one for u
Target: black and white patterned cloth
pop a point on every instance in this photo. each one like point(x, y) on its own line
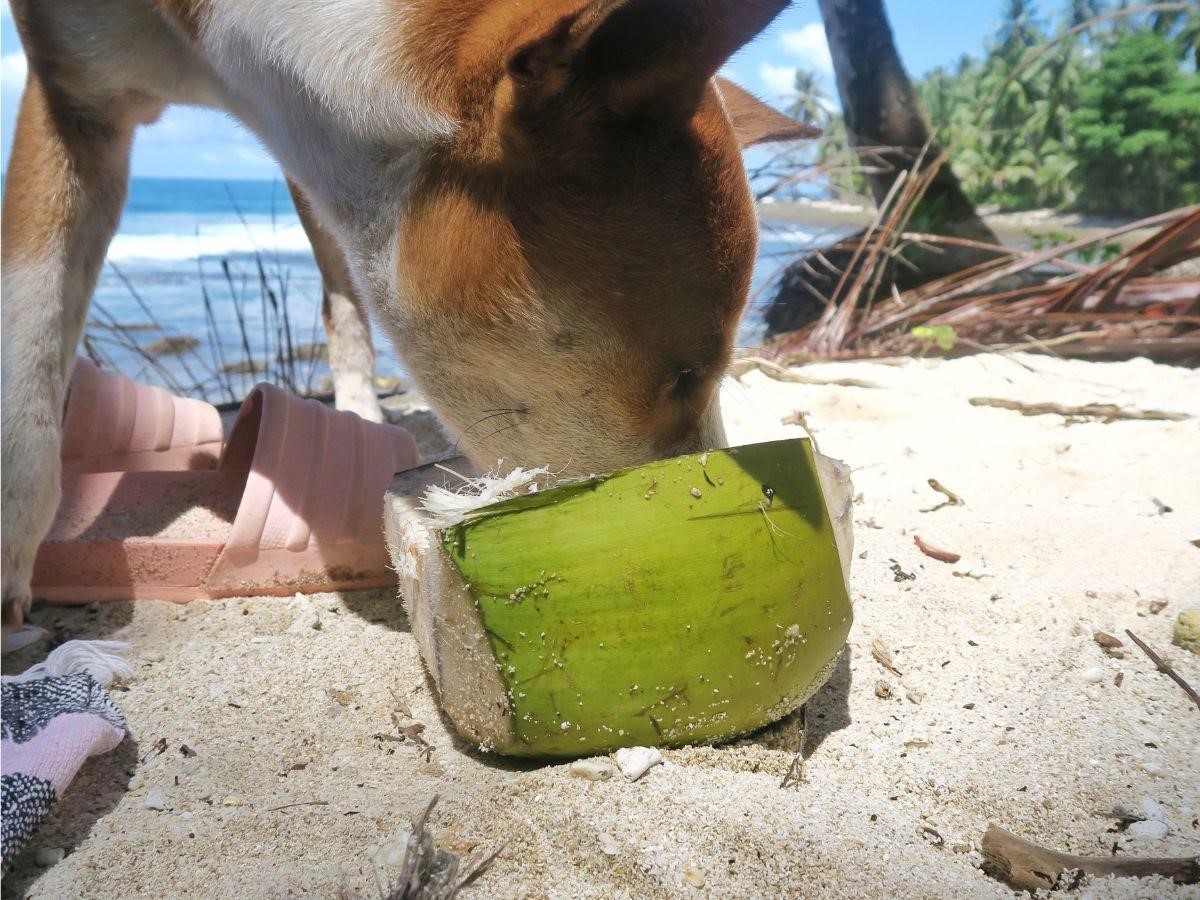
point(51, 726)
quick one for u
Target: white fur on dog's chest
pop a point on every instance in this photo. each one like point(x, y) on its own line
point(325, 86)
point(347, 56)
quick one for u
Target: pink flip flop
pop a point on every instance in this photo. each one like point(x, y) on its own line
point(114, 424)
point(295, 505)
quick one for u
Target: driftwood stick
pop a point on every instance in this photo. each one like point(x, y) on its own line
point(1027, 866)
point(740, 367)
point(1165, 668)
point(1105, 412)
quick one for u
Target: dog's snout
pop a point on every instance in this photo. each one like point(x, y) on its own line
point(707, 433)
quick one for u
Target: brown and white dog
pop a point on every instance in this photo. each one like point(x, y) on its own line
point(543, 201)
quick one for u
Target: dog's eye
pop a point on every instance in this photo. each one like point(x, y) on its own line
point(685, 382)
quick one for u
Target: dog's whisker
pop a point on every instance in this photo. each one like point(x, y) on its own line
point(494, 414)
point(499, 431)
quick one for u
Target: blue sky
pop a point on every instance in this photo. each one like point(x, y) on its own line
point(189, 142)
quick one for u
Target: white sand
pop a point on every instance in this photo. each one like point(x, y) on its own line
point(1060, 522)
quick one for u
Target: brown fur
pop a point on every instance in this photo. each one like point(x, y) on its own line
point(544, 203)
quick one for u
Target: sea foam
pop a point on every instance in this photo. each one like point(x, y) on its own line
point(210, 241)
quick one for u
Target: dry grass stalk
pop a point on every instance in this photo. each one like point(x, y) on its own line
point(1119, 308)
point(429, 873)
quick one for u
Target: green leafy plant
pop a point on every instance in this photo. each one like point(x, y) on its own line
point(943, 336)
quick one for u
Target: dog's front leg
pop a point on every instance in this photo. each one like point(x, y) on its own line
point(347, 328)
point(65, 187)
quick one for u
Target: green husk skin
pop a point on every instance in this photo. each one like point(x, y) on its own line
point(625, 610)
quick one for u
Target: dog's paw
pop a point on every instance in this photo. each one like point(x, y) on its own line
point(16, 607)
point(18, 596)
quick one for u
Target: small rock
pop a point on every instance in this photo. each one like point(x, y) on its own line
point(1153, 768)
point(599, 768)
point(1149, 830)
point(914, 689)
point(1094, 675)
point(392, 853)
point(49, 856)
point(608, 844)
point(233, 800)
point(1187, 630)
point(693, 877)
point(634, 762)
point(1153, 810)
point(295, 764)
point(156, 798)
point(1109, 644)
point(1147, 607)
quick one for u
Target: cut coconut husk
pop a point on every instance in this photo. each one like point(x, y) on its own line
point(689, 600)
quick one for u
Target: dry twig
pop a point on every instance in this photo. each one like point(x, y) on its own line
point(884, 657)
point(952, 499)
point(1165, 668)
point(933, 552)
point(1105, 412)
point(430, 873)
point(292, 805)
point(1026, 866)
point(740, 367)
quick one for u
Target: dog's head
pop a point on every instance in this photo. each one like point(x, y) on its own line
point(573, 263)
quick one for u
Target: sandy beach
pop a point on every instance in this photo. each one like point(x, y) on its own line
point(1014, 228)
point(1007, 712)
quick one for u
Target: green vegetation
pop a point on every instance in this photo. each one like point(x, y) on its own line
point(1101, 116)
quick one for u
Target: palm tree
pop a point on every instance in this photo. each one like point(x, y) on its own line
point(881, 109)
point(1084, 11)
point(1019, 30)
point(810, 104)
point(1184, 27)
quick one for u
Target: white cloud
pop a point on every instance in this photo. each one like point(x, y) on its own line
point(13, 68)
point(186, 141)
point(780, 80)
point(810, 45)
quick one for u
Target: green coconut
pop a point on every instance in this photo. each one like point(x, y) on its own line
point(689, 600)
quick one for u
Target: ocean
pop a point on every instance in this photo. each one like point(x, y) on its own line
point(222, 271)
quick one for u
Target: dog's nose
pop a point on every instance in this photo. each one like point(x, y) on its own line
point(708, 434)
point(711, 433)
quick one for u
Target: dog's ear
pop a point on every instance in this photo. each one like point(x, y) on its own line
point(754, 122)
point(637, 57)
